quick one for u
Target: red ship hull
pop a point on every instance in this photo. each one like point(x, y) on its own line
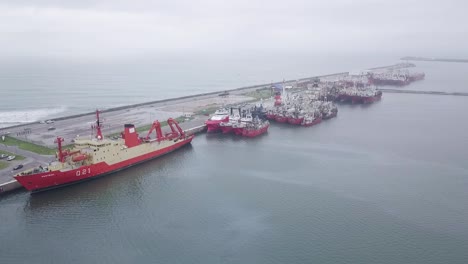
point(226, 129)
point(281, 119)
point(237, 130)
point(254, 132)
point(295, 121)
point(213, 125)
point(270, 116)
point(355, 99)
point(54, 179)
point(316, 121)
point(371, 99)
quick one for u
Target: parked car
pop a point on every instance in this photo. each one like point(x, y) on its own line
point(11, 158)
point(49, 121)
point(51, 128)
point(2, 156)
point(17, 167)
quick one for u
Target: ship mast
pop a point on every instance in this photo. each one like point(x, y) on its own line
point(98, 126)
point(284, 95)
point(61, 155)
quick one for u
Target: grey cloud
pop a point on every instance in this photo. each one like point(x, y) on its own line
point(81, 28)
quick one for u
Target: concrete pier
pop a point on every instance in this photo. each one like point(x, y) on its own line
point(9, 186)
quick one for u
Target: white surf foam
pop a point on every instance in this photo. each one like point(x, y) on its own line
point(10, 118)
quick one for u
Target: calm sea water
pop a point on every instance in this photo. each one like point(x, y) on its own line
point(384, 183)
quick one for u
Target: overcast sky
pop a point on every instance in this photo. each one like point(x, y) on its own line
point(126, 27)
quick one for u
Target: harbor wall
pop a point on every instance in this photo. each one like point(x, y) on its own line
point(195, 130)
point(9, 186)
point(390, 90)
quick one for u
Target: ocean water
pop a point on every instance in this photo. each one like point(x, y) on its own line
point(382, 183)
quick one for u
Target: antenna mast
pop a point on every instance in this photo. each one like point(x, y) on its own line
point(98, 126)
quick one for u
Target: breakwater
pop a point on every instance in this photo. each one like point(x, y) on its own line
point(409, 58)
point(389, 90)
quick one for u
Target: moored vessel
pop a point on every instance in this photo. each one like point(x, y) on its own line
point(255, 128)
point(93, 157)
point(234, 117)
point(281, 118)
point(212, 124)
point(362, 95)
point(310, 120)
point(328, 110)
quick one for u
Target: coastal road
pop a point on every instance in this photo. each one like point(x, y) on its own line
point(31, 160)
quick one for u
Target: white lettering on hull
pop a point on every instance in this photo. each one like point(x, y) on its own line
point(83, 172)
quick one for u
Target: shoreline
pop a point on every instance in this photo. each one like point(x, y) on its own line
point(195, 96)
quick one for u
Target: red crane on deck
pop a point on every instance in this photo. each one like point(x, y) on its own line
point(176, 131)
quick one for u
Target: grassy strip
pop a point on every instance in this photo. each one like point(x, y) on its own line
point(18, 157)
point(207, 111)
point(3, 165)
point(10, 141)
point(260, 94)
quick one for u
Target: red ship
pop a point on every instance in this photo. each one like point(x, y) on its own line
point(212, 124)
point(280, 118)
point(363, 95)
point(238, 127)
point(295, 120)
point(395, 78)
point(256, 128)
point(270, 115)
point(226, 127)
point(234, 118)
point(94, 157)
point(370, 98)
point(311, 120)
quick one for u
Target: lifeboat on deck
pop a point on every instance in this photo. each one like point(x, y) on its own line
point(79, 157)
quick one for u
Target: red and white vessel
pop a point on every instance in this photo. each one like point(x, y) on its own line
point(93, 157)
point(270, 115)
point(212, 124)
point(238, 127)
point(281, 118)
point(278, 100)
point(361, 95)
point(310, 120)
point(396, 78)
point(255, 128)
point(295, 117)
point(234, 118)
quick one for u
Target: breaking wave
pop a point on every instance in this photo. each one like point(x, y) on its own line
point(10, 118)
